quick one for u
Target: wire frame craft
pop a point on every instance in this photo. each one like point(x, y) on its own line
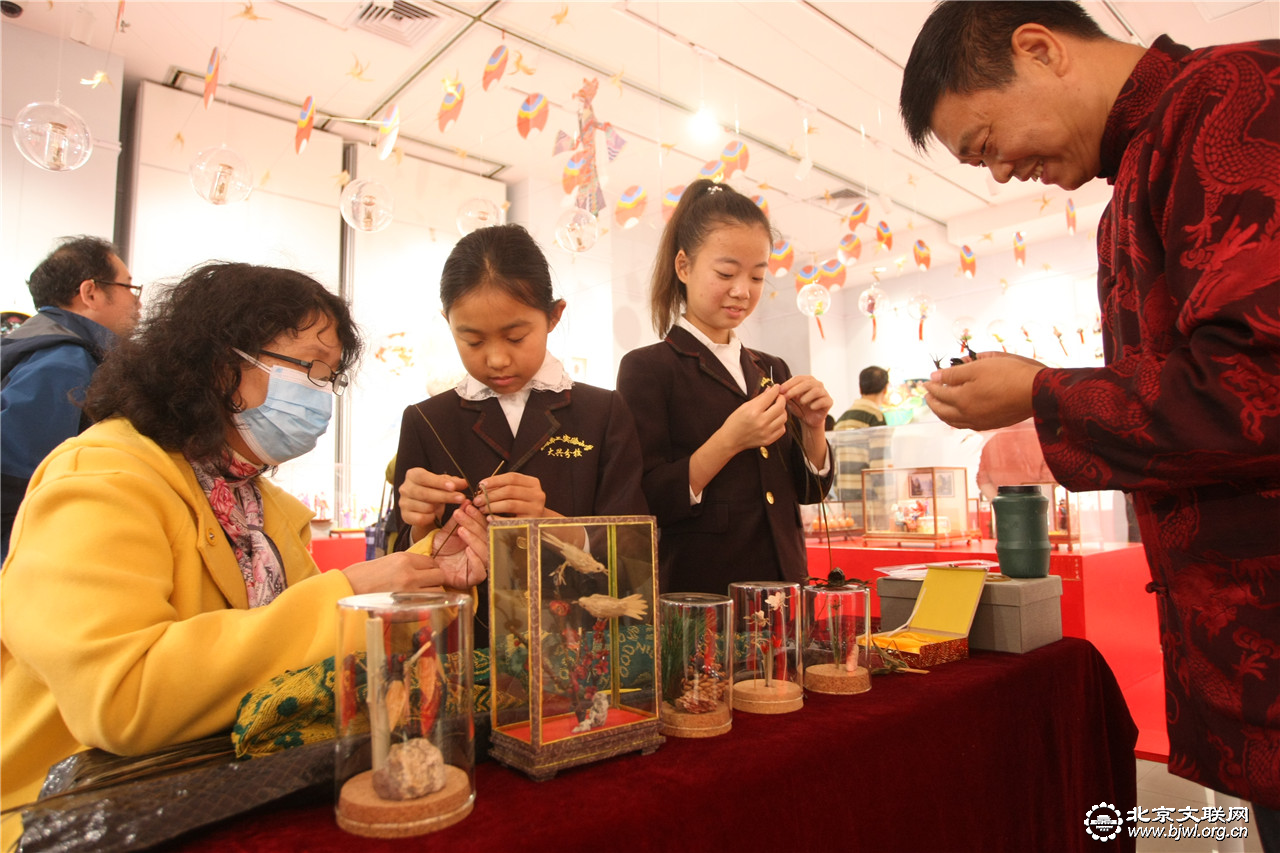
point(573, 644)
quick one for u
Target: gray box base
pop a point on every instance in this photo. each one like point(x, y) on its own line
point(1013, 615)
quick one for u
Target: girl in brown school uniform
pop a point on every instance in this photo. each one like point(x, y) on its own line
point(517, 433)
point(733, 443)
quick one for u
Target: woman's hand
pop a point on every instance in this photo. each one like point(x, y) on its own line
point(462, 547)
point(404, 571)
point(512, 494)
point(424, 496)
point(993, 391)
point(756, 423)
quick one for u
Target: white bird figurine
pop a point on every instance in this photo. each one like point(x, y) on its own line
point(608, 607)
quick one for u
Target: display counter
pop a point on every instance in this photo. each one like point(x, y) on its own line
point(1000, 752)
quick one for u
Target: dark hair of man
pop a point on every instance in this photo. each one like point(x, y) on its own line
point(872, 380)
point(177, 378)
point(966, 46)
point(501, 256)
point(56, 280)
point(704, 207)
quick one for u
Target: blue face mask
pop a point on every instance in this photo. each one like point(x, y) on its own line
point(292, 418)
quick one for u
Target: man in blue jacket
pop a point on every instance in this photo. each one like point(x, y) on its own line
point(87, 301)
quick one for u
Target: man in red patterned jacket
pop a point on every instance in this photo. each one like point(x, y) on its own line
point(1186, 413)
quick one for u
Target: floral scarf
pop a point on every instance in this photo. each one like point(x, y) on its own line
point(237, 504)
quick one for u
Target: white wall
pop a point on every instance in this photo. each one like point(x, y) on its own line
point(41, 206)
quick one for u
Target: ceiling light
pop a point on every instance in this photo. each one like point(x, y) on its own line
point(703, 126)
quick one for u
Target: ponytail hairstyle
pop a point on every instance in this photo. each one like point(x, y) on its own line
point(704, 207)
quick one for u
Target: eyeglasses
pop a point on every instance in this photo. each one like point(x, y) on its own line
point(136, 288)
point(318, 372)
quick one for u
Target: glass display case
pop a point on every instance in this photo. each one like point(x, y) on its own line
point(836, 636)
point(929, 505)
point(405, 751)
point(767, 671)
point(697, 662)
point(1064, 515)
point(573, 646)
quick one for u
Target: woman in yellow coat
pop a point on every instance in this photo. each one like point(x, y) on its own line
point(155, 576)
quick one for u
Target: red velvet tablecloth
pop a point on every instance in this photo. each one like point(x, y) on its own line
point(1000, 752)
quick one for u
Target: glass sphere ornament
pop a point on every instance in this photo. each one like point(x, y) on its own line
point(577, 230)
point(870, 299)
point(366, 205)
point(963, 330)
point(52, 137)
point(220, 176)
point(813, 300)
point(477, 213)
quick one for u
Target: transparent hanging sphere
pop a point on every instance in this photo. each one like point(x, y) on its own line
point(477, 213)
point(221, 176)
point(577, 230)
point(366, 205)
point(52, 137)
point(870, 299)
point(813, 300)
point(963, 329)
point(919, 305)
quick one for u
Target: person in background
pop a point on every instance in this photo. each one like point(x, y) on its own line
point(156, 574)
point(1185, 414)
point(867, 410)
point(733, 443)
point(855, 456)
point(1011, 456)
point(87, 301)
point(517, 434)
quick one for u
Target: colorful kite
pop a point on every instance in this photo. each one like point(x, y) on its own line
point(968, 262)
point(781, 258)
point(712, 170)
point(921, 254)
point(1071, 217)
point(735, 158)
point(859, 215)
point(211, 77)
point(388, 131)
point(532, 115)
point(630, 206)
point(762, 203)
point(807, 275)
point(590, 196)
point(451, 106)
point(850, 248)
point(831, 275)
point(1019, 249)
point(572, 173)
point(306, 120)
point(670, 199)
point(884, 236)
point(495, 66)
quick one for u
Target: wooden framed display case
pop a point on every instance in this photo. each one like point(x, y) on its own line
point(1064, 515)
point(929, 505)
point(572, 640)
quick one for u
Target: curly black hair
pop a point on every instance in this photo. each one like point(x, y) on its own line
point(176, 379)
point(56, 280)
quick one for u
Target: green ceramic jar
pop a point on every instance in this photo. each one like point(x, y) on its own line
point(1022, 531)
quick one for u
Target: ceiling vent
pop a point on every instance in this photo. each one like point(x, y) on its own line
point(400, 21)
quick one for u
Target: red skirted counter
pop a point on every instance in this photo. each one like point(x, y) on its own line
point(1104, 600)
point(1000, 752)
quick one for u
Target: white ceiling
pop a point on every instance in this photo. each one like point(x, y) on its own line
point(763, 67)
